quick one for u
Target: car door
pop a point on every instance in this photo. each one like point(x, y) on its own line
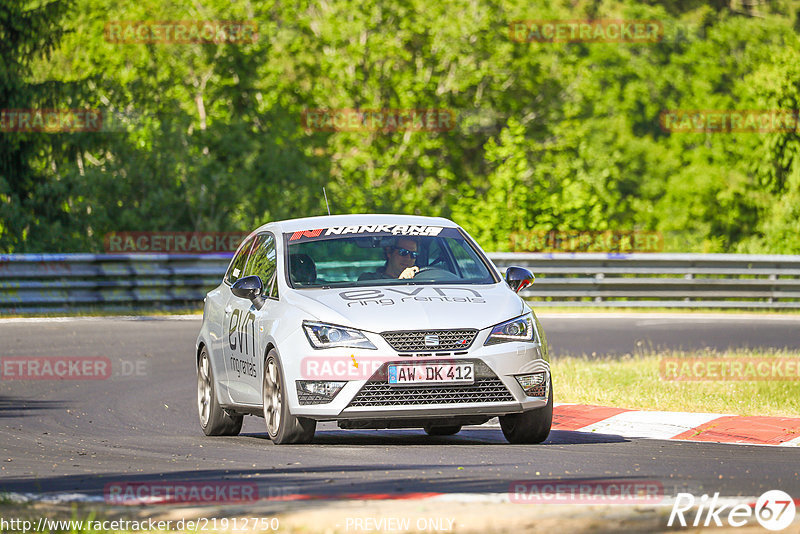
point(245, 325)
point(220, 308)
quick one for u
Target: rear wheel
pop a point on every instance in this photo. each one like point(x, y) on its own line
point(442, 430)
point(532, 426)
point(213, 419)
point(282, 426)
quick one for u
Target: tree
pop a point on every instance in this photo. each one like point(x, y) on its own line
point(36, 168)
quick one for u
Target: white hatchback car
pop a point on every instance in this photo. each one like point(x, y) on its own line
point(373, 321)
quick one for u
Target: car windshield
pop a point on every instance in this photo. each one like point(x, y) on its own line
point(320, 258)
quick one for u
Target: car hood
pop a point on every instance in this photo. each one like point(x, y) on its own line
point(410, 307)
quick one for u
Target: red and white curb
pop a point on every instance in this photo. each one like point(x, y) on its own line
point(684, 426)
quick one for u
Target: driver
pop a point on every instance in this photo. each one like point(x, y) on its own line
point(400, 259)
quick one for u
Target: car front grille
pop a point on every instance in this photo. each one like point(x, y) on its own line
point(415, 340)
point(538, 391)
point(375, 394)
point(311, 398)
point(487, 388)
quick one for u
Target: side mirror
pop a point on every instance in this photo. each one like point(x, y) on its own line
point(518, 278)
point(249, 287)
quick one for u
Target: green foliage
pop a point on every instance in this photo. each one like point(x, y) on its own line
point(548, 136)
point(37, 185)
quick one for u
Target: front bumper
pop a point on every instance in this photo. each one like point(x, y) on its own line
point(367, 395)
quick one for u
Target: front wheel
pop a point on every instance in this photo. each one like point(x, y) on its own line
point(532, 426)
point(213, 419)
point(282, 426)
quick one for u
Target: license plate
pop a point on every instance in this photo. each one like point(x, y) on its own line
point(430, 373)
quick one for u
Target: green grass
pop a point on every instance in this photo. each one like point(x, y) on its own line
point(6, 498)
point(635, 381)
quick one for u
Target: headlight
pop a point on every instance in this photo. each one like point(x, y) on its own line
point(326, 336)
point(519, 329)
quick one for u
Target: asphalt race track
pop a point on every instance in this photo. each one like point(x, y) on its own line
point(141, 423)
point(616, 334)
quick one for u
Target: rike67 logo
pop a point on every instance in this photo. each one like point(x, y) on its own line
point(774, 510)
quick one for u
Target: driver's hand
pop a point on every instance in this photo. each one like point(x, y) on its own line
point(410, 272)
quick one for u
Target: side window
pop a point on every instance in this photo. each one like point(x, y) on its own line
point(264, 263)
point(235, 271)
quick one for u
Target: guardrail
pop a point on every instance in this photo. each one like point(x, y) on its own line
point(48, 283)
point(661, 280)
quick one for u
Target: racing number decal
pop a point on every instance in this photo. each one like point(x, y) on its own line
point(242, 341)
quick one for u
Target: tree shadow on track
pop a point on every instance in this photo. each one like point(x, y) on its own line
point(476, 435)
point(284, 483)
point(277, 487)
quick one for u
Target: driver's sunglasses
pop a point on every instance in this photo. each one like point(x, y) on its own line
point(406, 252)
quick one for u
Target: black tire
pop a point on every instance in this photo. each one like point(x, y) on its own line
point(213, 419)
point(442, 430)
point(282, 426)
point(529, 427)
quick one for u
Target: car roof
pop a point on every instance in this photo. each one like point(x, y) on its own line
point(326, 221)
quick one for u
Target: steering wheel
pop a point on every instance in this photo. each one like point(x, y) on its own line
point(440, 259)
point(435, 274)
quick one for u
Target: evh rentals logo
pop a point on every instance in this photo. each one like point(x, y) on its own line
point(396, 295)
point(774, 510)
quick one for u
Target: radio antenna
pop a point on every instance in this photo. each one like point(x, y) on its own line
point(326, 200)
